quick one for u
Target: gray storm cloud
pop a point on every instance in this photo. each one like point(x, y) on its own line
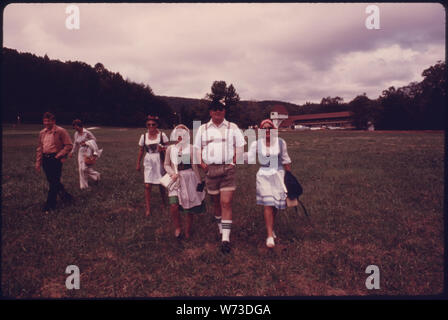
point(291, 52)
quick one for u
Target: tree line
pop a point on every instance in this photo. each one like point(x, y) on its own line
point(416, 106)
point(32, 85)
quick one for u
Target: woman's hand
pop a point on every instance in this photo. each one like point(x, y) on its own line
point(70, 155)
point(160, 148)
point(204, 166)
point(174, 176)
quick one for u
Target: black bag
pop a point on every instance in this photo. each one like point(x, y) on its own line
point(295, 190)
point(293, 186)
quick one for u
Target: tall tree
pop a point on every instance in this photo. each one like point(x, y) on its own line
point(229, 97)
point(434, 95)
point(364, 111)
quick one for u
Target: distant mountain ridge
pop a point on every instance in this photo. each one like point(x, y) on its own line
point(177, 103)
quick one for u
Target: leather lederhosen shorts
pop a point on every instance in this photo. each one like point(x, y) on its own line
point(220, 177)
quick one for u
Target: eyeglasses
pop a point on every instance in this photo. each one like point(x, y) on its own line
point(151, 124)
point(267, 128)
point(217, 109)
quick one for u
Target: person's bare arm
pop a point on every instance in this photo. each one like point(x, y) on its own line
point(139, 158)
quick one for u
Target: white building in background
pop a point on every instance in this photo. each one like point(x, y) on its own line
point(278, 115)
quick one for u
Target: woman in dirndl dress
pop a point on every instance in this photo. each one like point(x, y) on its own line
point(184, 195)
point(151, 145)
point(274, 160)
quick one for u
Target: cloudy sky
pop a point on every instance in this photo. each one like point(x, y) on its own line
point(290, 52)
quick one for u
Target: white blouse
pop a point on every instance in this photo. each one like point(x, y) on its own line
point(269, 156)
point(80, 138)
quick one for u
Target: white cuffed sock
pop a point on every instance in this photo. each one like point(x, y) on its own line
point(226, 227)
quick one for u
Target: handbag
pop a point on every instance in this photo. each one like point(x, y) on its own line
point(294, 191)
point(90, 161)
point(169, 183)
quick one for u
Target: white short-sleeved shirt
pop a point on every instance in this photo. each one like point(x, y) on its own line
point(218, 143)
point(271, 156)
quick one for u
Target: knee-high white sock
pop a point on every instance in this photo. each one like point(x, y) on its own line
point(218, 220)
point(226, 227)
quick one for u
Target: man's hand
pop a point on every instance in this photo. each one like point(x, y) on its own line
point(60, 158)
point(138, 167)
point(37, 168)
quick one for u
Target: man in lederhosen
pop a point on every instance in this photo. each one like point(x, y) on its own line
point(219, 143)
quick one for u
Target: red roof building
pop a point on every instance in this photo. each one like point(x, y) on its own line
point(337, 119)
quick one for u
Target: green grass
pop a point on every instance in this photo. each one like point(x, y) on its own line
point(374, 198)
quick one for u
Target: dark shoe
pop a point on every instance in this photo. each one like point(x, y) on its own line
point(46, 208)
point(67, 197)
point(225, 247)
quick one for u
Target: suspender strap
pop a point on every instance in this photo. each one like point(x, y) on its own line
point(227, 139)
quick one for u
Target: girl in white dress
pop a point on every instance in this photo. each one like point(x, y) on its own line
point(151, 145)
point(85, 144)
point(179, 165)
point(274, 160)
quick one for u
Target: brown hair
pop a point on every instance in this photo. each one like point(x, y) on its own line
point(49, 116)
point(77, 122)
point(153, 118)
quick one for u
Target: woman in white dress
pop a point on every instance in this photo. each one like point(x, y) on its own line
point(274, 160)
point(85, 144)
point(151, 145)
point(185, 194)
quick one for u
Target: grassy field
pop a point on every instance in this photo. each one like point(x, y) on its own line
point(374, 198)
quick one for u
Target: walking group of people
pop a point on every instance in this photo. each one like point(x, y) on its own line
point(53, 149)
point(217, 147)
